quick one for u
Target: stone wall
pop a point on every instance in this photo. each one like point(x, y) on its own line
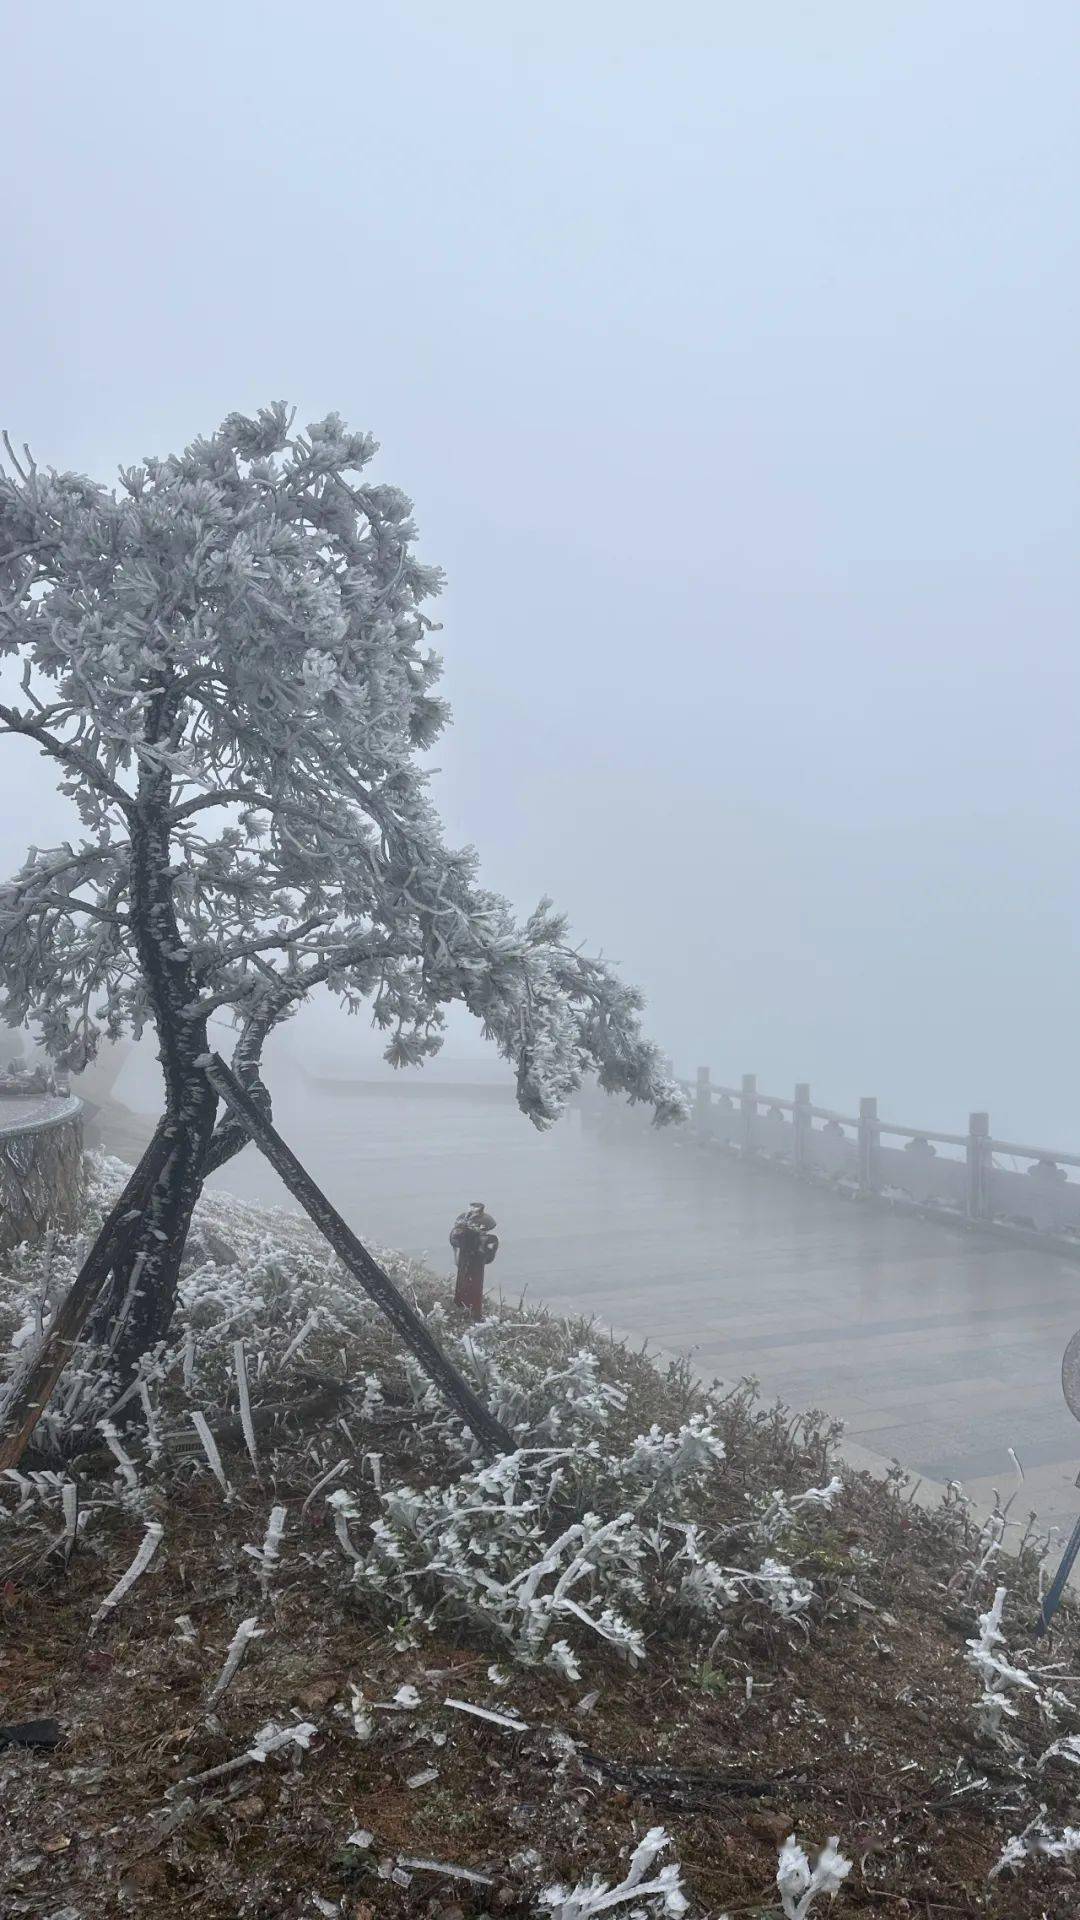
point(41, 1166)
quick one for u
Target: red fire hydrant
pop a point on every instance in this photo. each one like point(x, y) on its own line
point(476, 1244)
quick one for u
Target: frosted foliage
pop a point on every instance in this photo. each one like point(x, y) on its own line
point(800, 1885)
point(645, 1890)
point(987, 1655)
point(486, 1552)
point(228, 661)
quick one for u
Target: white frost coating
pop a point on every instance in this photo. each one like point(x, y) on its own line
point(247, 1631)
point(210, 1448)
point(663, 1892)
point(405, 1699)
point(449, 1872)
point(300, 1336)
point(508, 1720)
point(344, 1508)
point(150, 1543)
point(324, 1481)
point(1037, 1842)
point(799, 1886)
point(153, 1435)
point(189, 1358)
point(1067, 1748)
point(362, 1720)
point(69, 1495)
point(273, 1736)
point(986, 1653)
point(561, 1659)
point(120, 1454)
point(269, 1554)
point(267, 1740)
point(240, 1366)
point(783, 1509)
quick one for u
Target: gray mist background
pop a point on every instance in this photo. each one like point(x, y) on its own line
point(728, 353)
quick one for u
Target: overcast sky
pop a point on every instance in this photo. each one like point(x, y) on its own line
point(729, 354)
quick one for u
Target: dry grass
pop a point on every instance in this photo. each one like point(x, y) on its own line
point(854, 1719)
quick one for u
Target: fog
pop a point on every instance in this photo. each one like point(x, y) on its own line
point(729, 356)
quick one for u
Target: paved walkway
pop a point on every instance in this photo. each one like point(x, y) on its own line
point(937, 1348)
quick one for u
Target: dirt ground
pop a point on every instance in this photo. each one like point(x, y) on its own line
point(854, 1720)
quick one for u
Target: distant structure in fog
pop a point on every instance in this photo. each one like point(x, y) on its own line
point(956, 1177)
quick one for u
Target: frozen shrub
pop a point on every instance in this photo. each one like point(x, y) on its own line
point(659, 1894)
point(799, 1884)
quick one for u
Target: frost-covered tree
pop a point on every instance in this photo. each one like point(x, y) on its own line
point(227, 661)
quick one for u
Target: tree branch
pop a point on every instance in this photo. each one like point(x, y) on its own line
point(69, 901)
point(16, 722)
point(247, 948)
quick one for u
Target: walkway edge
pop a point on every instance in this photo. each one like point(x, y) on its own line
point(924, 1492)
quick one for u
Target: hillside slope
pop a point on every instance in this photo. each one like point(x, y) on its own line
point(365, 1673)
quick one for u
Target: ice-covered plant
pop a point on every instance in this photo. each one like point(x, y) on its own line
point(150, 1543)
point(784, 1509)
point(1067, 1748)
point(997, 1674)
point(800, 1884)
point(707, 1587)
point(1037, 1842)
point(657, 1455)
point(477, 1551)
point(485, 1550)
point(642, 1890)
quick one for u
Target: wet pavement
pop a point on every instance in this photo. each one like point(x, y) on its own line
point(937, 1348)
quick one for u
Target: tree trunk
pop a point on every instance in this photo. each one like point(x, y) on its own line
point(130, 1334)
point(137, 1310)
point(92, 1306)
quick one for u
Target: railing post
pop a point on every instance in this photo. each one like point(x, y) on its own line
point(801, 1122)
point(869, 1179)
point(748, 1108)
point(979, 1168)
point(702, 1104)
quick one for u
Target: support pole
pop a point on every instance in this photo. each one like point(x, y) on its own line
point(869, 1136)
point(702, 1104)
point(490, 1432)
point(748, 1107)
point(801, 1123)
point(979, 1168)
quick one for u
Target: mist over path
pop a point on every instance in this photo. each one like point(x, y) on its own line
point(937, 1348)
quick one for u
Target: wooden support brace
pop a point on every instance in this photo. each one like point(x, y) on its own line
point(375, 1281)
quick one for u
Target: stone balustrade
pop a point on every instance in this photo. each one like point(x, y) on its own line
point(973, 1177)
